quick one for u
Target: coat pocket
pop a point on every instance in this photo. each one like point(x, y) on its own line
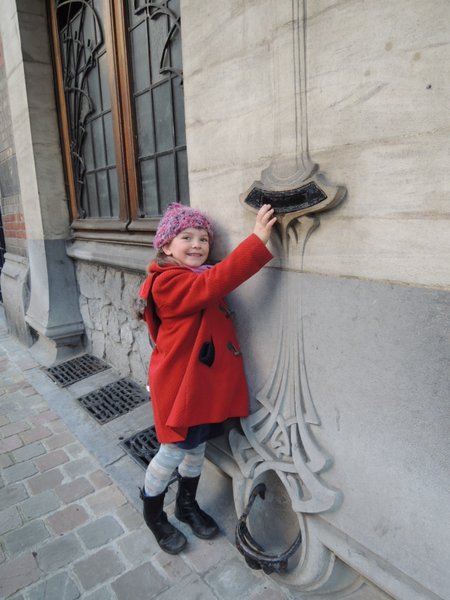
point(207, 353)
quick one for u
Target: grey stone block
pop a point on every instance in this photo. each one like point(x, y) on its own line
point(28, 452)
point(98, 568)
point(12, 495)
point(139, 545)
point(39, 505)
point(143, 582)
point(18, 472)
point(26, 537)
point(100, 532)
point(9, 519)
point(233, 580)
point(79, 467)
point(192, 587)
point(103, 593)
point(17, 574)
point(59, 553)
point(59, 587)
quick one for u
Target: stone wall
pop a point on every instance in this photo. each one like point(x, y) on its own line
point(107, 304)
point(368, 293)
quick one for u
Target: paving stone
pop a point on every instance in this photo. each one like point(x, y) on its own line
point(3, 420)
point(100, 532)
point(233, 579)
point(10, 443)
point(51, 460)
point(60, 440)
point(5, 461)
point(47, 416)
point(28, 452)
point(98, 568)
point(12, 494)
point(12, 428)
point(76, 450)
point(106, 500)
point(74, 490)
point(18, 573)
point(143, 582)
point(19, 472)
point(130, 517)
point(26, 537)
point(269, 593)
point(192, 587)
point(2, 555)
point(174, 568)
point(39, 505)
point(138, 545)
point(103, 593)
point(58, 587)
point(45, 481)
point(57, 426)
point(59, 553)
point(9, 519)
point(36, 434)
point(67, 519)
point(100, 479)
point(79, 467)
point(205, 554)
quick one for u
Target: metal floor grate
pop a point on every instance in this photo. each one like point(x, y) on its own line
point(76, 369)
point(143, 446)
point(114, 400)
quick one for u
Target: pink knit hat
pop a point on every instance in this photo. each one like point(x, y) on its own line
point(176, 219)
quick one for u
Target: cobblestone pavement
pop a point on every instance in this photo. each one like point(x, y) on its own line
point(70, 519)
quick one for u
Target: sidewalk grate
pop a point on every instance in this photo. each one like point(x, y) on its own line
point(76, 369)
point(142, 447)
point(113, 400)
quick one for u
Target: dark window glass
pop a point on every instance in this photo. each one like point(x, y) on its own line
point(127, 148)
point(155, 48)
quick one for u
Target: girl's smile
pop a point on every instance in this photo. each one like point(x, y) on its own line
point(190, 247)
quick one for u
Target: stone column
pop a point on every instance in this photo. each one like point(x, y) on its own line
point(53, 311)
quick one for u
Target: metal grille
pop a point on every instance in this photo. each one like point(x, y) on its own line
point(76, 369)
point(142, 447)
point(113, 400)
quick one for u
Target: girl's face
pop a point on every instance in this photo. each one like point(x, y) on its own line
point(190, 247)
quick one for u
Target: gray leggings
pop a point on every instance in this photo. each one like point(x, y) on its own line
point(168, 458)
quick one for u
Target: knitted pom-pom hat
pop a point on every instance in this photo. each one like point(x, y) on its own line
point(176, 219)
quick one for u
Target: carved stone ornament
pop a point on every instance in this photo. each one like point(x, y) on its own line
point(278, 450)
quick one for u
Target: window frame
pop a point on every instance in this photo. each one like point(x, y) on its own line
point(128, 226)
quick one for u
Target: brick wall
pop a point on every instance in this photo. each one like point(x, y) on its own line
point(10, 203)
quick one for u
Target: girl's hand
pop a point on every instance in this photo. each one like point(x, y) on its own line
point(264, 223)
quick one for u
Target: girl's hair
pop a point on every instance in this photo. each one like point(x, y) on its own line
point(163, 260)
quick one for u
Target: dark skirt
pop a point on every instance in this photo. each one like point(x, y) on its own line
point(200, 433)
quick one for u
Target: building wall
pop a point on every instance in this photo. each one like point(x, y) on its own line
point(108, 308)
point(371, 285)
point(14, 280)
point(372, 280)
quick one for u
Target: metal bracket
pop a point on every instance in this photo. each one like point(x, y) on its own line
point(253, 553)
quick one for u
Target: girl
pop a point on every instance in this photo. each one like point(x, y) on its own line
point(196, 373)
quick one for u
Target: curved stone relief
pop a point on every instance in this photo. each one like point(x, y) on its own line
point(278, 447)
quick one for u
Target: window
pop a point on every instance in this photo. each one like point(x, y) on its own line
point(118, 67)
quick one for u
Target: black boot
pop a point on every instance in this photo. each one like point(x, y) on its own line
point(168, 537)
point(188, 511)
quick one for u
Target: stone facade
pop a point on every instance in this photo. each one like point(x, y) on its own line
point(108, 305)
point(344, 334)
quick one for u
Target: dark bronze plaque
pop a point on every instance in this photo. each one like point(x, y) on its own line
point(287, 201)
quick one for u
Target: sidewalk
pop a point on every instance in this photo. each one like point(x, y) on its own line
point(70, 518)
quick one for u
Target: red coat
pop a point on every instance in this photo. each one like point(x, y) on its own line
point(192, 312)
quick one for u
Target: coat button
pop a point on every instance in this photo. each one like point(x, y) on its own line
point(232, 348)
